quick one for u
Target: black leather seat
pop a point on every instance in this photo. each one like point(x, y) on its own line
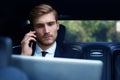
point(99, 51)
point(116, 61)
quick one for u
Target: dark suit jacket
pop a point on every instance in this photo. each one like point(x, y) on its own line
point(62, 51)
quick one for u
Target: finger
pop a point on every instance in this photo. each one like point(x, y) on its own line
point(31, 34)
point(27, 40)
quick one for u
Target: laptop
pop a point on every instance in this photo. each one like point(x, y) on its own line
point(38, 68)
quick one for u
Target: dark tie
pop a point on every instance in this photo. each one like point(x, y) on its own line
point(44, 53)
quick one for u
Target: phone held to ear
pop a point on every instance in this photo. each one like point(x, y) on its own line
point(31, 43)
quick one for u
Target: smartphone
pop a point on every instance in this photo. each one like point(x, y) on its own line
point(32, 42)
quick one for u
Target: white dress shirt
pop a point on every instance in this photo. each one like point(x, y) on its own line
point(50, 54)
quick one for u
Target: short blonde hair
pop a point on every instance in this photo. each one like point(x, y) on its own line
point(40, 10)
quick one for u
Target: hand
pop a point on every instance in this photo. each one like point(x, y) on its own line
point(25, 43)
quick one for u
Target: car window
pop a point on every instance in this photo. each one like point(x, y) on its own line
point(92, 30)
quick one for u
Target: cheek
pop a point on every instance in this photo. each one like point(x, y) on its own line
point(39, 33)
point(54, 30)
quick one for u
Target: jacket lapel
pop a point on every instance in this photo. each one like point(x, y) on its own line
point(58, 52)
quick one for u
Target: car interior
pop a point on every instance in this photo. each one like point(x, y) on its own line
point(94, 26)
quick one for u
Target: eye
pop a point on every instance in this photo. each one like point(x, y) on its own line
point(39, 25)
point(51, 23)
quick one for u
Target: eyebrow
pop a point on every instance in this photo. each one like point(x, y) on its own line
point(46, 22)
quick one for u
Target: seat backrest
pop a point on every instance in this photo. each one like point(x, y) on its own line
point(116, 62)
point(100, 51)
point(116, 70)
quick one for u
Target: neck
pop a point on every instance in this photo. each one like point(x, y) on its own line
point(45, 47)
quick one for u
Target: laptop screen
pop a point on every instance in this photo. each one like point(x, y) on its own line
point(38, 68)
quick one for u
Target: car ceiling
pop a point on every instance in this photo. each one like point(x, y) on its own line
point(13, 13)
point(71, 9)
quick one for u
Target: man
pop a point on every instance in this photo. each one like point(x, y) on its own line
point(44, 27)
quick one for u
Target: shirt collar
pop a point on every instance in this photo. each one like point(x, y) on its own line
point(49, 50)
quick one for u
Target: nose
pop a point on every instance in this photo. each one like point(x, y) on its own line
point(46, 29)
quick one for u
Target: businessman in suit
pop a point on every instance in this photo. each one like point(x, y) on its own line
point(41, 40)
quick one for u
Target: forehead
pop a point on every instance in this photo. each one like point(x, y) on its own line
point(50, 17)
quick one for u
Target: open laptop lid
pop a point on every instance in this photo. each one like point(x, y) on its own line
point(58, 68)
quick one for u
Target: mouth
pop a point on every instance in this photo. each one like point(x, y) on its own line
point(47, 37)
